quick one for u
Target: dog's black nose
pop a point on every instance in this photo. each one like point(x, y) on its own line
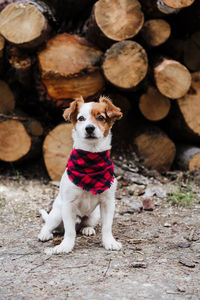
point(90, 129)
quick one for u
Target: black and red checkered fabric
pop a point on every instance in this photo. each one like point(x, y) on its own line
point(92, 171)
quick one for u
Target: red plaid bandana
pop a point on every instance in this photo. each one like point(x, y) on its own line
point(92, 171)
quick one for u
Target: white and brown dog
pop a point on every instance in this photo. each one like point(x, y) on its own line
point(87, 188)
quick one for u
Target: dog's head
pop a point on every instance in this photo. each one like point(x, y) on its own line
point(93, 120)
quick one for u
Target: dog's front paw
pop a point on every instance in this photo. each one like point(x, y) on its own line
point(111, 244)
point(45, 235)
point(88, 231)
point(62, 248)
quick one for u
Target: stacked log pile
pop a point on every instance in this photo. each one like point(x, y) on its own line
point(145, 55)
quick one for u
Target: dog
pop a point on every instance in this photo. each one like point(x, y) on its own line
point(87, 188)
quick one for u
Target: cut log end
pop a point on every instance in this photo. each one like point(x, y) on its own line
point(28, 20)
point(156, 150)
point(172, 78)
point(119, 21)
point(69, 68)
point(178, 3)
point(155, 32)
point(153, 105)
point(15, 142)
point(57, 148)
point(125, 64)
point(187, 157)
point(194, 162)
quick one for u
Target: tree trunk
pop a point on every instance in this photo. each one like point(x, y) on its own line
point(172, 78)
point(113, 21)
point(153, 105)
point(24, 24)
point(154, 148)
point(20, 138)
point(69, 68)
point(187, 157)
point(56, 150)
point(7, 99)
point(155, 32)
point(125, 64)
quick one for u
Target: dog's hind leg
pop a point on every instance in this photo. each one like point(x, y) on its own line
point(90, 222)
point(52, 220)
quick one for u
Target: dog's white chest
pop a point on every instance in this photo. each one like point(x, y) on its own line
point(87, 203)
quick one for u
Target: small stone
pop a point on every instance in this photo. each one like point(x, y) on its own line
point(147, 204)
point(167, 225)
point(184, 244)
point(187, 262)
point(155, 235)
point(136, 206)
point(139, 264)
point(181, 289)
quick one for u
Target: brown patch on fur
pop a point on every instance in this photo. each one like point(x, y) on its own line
point(70, 114)
point(112, 111)
point(108, 110)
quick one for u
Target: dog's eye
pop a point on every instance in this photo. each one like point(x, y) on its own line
point(100, 118)
point(81, 118)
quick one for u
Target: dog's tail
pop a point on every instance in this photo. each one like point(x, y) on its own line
point(44, 214)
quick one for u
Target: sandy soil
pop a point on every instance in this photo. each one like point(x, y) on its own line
point(160, 258)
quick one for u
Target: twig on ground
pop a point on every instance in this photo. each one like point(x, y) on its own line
point(35, 267)
point(108, 267)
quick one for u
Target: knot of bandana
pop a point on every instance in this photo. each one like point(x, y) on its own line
point(92, 171)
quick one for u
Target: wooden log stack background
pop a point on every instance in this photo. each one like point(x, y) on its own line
point(145, 55)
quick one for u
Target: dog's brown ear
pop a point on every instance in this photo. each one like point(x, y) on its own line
point(70, 113)
point(112, 111)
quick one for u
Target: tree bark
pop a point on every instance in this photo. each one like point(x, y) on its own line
point(2, 44)
point(191, 52)
point(56, 150)
point(21, 65)
point(125, 64)
point(7, 99)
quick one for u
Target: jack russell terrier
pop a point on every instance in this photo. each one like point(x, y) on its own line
point(87, 188)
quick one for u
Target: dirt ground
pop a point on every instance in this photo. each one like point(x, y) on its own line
point(160, 258)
